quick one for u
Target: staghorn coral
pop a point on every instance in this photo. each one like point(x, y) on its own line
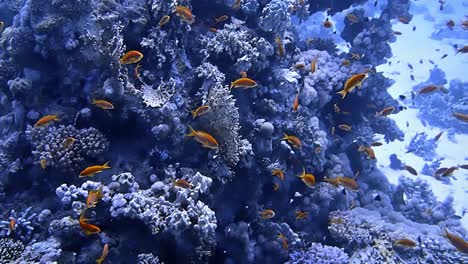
point(48, 145)
point(421, 146)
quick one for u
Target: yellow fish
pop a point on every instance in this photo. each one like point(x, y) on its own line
point(352, 82)
point(207, 140)
point(91, 170)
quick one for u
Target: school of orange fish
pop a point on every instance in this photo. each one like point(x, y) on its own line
point(208, 141)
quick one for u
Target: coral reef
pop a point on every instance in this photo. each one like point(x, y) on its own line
point(123, 78)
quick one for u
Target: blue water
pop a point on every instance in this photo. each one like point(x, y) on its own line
point(150, 131)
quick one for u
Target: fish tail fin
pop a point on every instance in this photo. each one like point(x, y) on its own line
point(192, 131)
point(285, 136)
point(56, 118)
point(106, 165)
point(194, 114)
point(232, 85)
point(342, 93)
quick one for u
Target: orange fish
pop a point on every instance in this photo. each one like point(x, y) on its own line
point(352, 18)
point(46, 120)
point(352, 82)
point(105, 251)
point(398, 33)
point(221, 19)
point(294, 141)
point(88, 229)
point(131, 57)
point(68, 142)
point(43, 164)
point(295, 105)
point(276, 187)
point(460, 116)
point(463, 49)
point(299, 66)
point(137, 71)
point(93, 197)
point(368, 151)
point(348, 183)
point(345, 63)
point(91, 170)
point(237, 4)
point(386, 111)
point(182, 184)
point(200, 111)
point(301, 215)
point(213, 30)
point(103, 104)
point(313, 64)
point(284, 241)
point(344, 127)
point(457, 242)
point(278, 173)
point(185, 14)
point(12, 224)
point(207, 140)
point(307, 178)
point(267, 214)
point(405, 242)
point(243, 82)
point(403, 20)
point(428, 89)
point(279, 43)
point(327, 23)
point(450, 24)
point(164, 20)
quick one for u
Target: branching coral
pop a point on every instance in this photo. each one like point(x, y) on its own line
point(24, 225)
point(10, 250)
point(275, 17)
point(223, 118)
point(244, 50)
point(48, 143)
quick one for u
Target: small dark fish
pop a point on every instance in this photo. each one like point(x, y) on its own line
point(464, 166)
point(401, 108)
point(421, 61)
point(402, 97)
point(410, 66)
point(449, 171)
point(437, 49)
point(407, 124)
point(414, 28)
point(378, 198)
point(390, 63)
point(411, 170)
point(432, 62)
point(440, 171)
point(375, 3)
point(412, 77)
point(376, 144)
point(438, 136)
point(444, 56)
